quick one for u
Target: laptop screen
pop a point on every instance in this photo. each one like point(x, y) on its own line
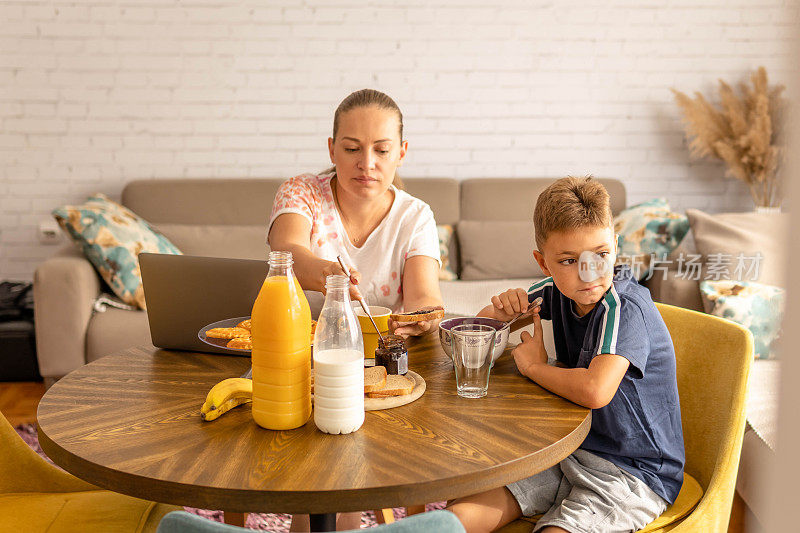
point(184, 293)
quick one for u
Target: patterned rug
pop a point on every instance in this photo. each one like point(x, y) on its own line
point(261, 522)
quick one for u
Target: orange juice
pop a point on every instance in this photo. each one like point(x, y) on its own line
point(281, 327)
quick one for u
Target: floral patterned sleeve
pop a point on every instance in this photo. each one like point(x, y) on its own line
point(295, 195)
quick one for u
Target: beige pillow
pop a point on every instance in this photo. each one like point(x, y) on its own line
point(743, 235)
point(236, 241)
point(497, 250)
point(446, 251)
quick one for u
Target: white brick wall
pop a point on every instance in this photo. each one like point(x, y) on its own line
point(94, 93)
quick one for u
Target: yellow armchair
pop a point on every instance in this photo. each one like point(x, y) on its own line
point(714, 357)
point(713, 360)
point(35, 496)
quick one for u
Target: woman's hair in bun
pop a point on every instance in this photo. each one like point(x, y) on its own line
point(366, 98)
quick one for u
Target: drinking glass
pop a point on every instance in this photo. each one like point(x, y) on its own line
point(472, 358)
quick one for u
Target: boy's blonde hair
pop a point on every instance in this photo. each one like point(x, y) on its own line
point(571, 203)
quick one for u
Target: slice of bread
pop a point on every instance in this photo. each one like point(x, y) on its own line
point(395, 386)
point(418, 316)
point(374, 378)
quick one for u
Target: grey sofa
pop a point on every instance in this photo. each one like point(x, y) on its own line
point(227, 218)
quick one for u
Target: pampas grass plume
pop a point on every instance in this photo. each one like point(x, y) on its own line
point(746, 133)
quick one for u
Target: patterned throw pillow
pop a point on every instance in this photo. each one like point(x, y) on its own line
point(445, 232)
point(648, 230)
point(112, 237)
point(755, 306)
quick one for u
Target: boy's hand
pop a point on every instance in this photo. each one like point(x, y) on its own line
point(509, 304)
point(531, 351)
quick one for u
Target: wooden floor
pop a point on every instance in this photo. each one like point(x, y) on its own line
point(18, 401)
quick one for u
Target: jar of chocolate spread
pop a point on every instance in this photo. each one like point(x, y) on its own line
point(393, 355)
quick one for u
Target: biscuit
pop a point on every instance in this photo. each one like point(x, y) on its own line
point(241, 343)
point(227, 333)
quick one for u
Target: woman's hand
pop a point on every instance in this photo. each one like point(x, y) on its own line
point(406, 329)
point(291, 232)
point(420, 292)
point(334, 269)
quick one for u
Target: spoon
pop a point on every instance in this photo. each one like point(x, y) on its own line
point(361, 301)
point(534, 304)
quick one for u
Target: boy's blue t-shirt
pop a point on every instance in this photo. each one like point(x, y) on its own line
point(640, 429)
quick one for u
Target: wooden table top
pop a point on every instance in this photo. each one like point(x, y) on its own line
point(131, 423)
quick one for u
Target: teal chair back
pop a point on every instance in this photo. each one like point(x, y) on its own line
point(439, 521)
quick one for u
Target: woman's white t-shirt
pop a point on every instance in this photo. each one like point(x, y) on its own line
point(407, 230)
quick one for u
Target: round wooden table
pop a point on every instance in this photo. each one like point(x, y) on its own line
point(131, 423)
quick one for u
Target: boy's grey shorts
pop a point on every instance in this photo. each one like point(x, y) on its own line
point(586, 493)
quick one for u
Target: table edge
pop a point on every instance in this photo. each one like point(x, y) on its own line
point(250, 500)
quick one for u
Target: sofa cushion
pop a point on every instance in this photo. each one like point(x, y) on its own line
point(675, 287)
point(740, 237)
point(466, 298)
point(648, 230)
point(112, 237)
point(514, 198)
point(686, 247)
point(755, 306)
point(496, 250)
point(756, 459)
point(763, 394)
point(446, 243)
point(115, 330)
point(235, 241)
point(215, 201)
point(758, 446)
point(441, 194)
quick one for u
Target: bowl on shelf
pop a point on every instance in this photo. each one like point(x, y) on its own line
point(500, 340)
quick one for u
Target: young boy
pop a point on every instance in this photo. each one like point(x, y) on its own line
point(615, 356)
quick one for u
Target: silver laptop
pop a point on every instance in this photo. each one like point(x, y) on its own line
point(185, 293)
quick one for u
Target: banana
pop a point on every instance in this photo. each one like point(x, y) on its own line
point(226, 390)
point(213, 414)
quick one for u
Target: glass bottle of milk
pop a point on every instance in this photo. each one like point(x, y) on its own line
point(338, 362)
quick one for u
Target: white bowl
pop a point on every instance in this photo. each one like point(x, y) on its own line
point(500, 340)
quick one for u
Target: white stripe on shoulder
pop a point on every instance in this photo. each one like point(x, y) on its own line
point(609, 344)
point(539, 285)
point(617, 310)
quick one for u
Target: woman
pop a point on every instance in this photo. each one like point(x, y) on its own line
point(385, 236)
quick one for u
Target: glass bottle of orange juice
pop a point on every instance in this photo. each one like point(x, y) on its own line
point(281, 330)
